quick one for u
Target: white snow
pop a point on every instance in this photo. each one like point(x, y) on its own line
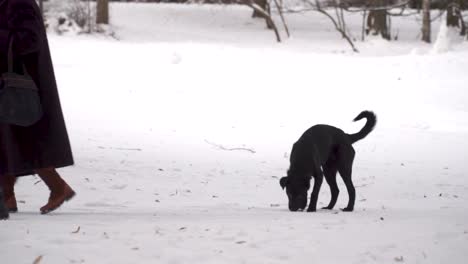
point(146, 113)
point(446, 38)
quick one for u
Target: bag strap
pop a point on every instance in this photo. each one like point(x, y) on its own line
point(10, 57)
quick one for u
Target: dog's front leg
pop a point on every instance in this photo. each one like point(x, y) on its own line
point(315, 192)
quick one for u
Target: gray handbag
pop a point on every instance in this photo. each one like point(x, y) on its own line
point(19, 97)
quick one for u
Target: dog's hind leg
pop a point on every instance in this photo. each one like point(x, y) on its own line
point(329, 171)
point(345, 167)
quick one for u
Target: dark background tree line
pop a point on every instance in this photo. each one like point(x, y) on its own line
point(377, 14)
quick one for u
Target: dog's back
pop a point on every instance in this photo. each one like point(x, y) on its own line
point(322, 141)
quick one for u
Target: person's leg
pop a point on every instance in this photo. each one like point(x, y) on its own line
point(59, 189)
point(7, 182)
point(3, 209)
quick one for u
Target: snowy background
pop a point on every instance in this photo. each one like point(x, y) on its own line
point(152, 110)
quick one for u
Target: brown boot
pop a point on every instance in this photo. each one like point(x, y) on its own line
point(8, 184)
point(59, 189)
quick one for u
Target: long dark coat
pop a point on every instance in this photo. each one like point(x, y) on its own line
point(44, 144)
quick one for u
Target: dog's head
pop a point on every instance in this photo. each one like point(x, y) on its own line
point(296, 189)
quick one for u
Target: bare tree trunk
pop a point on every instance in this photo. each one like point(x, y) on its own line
point(363, 33)
point(261, 3)
point(452, 17)
point(279, 6)
point(377, 20)
point(264, 5)
point(102, 12)
point(426, 27)
point(415, 4)
point(267, 15)
point(464, 30)
point(90, 22)
point(455, 16)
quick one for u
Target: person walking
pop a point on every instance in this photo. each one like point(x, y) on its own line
point(44, 146)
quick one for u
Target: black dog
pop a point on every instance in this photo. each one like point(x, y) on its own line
point(328, 148)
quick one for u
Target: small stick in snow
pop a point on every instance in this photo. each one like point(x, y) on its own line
point(38, 260)
point(230, 149)
point(131, 149)
point(128, 149)
point(77, 230)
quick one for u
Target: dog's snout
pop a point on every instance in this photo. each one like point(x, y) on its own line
point(293, 209)
point(298, 203)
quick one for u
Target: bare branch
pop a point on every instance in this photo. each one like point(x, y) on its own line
point(337, 27)
point(295, 11)
point(380, 8)
point(265, 15)
point(280, 11)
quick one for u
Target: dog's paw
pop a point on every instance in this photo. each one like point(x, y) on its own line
point(347, 209)
point(327, 208)
point(311, 209)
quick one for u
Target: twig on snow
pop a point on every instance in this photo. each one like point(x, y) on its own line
point(124, 149)
point(38, 260)
point(77, 230)
point(230, 149)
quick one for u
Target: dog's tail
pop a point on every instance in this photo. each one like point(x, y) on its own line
point(368, 127)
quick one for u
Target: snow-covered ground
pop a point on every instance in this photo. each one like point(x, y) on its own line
point(148, 116)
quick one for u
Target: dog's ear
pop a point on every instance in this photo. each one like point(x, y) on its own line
point(284, 182)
